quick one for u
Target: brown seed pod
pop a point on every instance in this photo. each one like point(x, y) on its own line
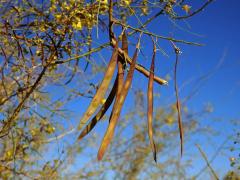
point(117, 83)
point(150, 105)
point(178, 104)
point(117, 110)
point(121, 68)
point(101, 112)
point(124, 42)
point(96, 101)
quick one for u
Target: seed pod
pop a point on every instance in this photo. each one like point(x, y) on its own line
point(150, 106)
point(124, 42)
point(178, 104)
point(117, 110)
point(96, 101)
point(101, 112)
point(121, 67)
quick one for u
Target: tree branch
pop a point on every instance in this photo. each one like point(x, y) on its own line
point(156, 35)
point(195, 12)
point(141, 69)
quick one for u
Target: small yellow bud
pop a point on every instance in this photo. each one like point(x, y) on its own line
point(77, 26)
point(186, 8)
point(9, 154)
point(58, 16)
point(38, 53)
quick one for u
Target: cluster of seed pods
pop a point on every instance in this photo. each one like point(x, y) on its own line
point(118, 92)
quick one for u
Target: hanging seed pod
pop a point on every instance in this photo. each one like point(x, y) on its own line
point(121, 67)
point(150, 105)
point(180, 126)
point(96, 101)
point(114, 92)
point(117, 110)
point(124, 48)
point(120, 78)
point(124, 42)
point(178, 104)
point(101, 112)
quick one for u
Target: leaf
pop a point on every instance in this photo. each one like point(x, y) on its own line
point(96, 101)
point(150, 106)
point(101, 112)
point(117, 109)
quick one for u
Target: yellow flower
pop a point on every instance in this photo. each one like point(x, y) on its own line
point(105, 1)
point(77, 26)
point(50, 129)
point(169, 120)
point(9, 154)
point(38, 52)
point(42, 28)
point(53, 8)
point(186, 8)
point(58, 16)
point(127, 2)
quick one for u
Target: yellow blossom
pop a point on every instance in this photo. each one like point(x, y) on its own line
point(77, 26)
point(58, 16)
point(186, 8)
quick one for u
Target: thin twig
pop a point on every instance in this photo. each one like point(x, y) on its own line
point(156, 35)
point(59, 136)
point(8, 124)
point(195, 12)
point(208, 164)
point(218, 150)
point(147, 21)
point(138, 67)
